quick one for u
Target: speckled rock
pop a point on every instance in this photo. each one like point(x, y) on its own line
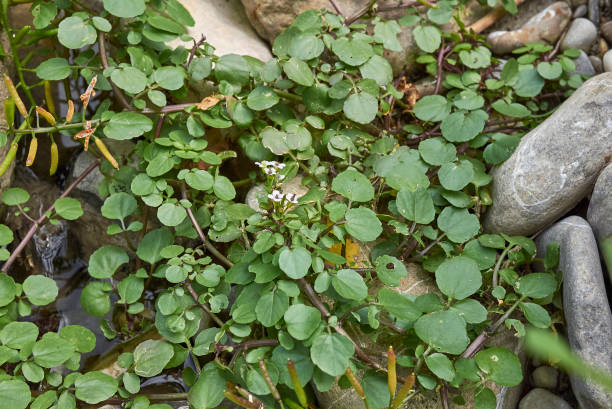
point(599, 215)
point(543, 399)
point(585, 304)
point(607, 61)
point(556, 164)
point(581, 34)
point(545, 377)
point(226, 27)
point(583, 65)
point(547, 25)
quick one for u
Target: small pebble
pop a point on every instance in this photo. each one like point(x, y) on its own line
point(594, 11)
point(597, 63)
point(583, 65)
point(606, 30)
point(545, 377)
point(542, 399)
point(580, 11)
point(581, 34)
point(607, 61)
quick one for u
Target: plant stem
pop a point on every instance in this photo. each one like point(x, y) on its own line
point(248, 344)
point(426, 249)
point(495, 279)
point(8, 263)
point(207, 310)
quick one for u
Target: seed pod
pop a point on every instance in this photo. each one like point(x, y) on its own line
point(15, 95)
point(297, 386)
point(8, 159)
point(391, 371)
point(9, 111)
point(32, 152)
point(268, 379)
point(104, 151)
point(403, 392)
point(291, 404)
point(70, 111)
point(49, 97)
point(355, 383)
point(46, 114)
point(239, 400)
point(54, 159)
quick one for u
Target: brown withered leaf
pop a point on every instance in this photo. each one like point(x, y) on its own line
point(208, 102)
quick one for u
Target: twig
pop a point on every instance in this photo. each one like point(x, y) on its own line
point(312, 296)
point(8, 263)
point(444, 395)
point(196, 45)
point(160, 124)
point(248, 344)
point(335, 6)
point(198, 229)
point(426, 249)
point(490, 18)
point(555, 50)
point(443, 50)
point(202, 306)
point(104, 60)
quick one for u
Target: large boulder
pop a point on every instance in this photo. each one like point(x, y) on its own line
point(556, 164)
point(599, 215)
point(585, 304)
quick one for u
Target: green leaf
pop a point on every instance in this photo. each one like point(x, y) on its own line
point(199, 179)
point(536, 285)
point(399, 305)
point(416, 206)
point(436, 151)
point(305, 46)
point(456, 176)
point(349, 284)
point(471, 310)
point(362, 224)
point(18, 335)
point(223, 188)
point(528, 82)
point(331, 353)
point(295, 263)
point(271, 307)
point(485, 398)
point(550, 71)
point(232, 68)
point(485, 257)
point(461, 127)
point(152, 243)
point(458, 277)
point(95, 299)
point(479, 57)
point(40, 290)
point(361, 107)
point(170, 78)
point(378, 69)
point(130, 289)
point(52, 350)
point(125, 8)
point(68, 208)
point(352, 52)
point(127, 125)
point(386, 32)
point(441, 366)
point(458, 224)
point(15, 196)
point(53, 69)
point(302, 321)
point(514, 109)
point(6, 235)
point(262, 98)
point(165, 24)
point(298, 71)
point(432, 108)
point(119, 206)
point(444, 331)
point(101, 24)
point(15, 394)
point(501, 149)
point(390, 270)
point(74, 33)
point(208, 390)
point(536, 314)
point(500, 365)
point(43, 13)
point(170, 214)
point(274, 140)
point(151, 356)
point(82, 338)
point(95, 387)
point(468, 100)
point(178, 12)
point(129, 79)
point(7, 289)
point(353, 185)
point(200, 68)
point(44, 400)
point(428, 38)
point(105, 261)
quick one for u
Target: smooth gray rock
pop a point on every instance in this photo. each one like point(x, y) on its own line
point(606, 30)
point(585, 304)
point(596, 63)
point(543, 399)
point(583, 65)
point(581, 34)
point(545, 377)
point(580, 11)
point(599, 215)
point(594, 11)
point(607, 61)
point(556, 164)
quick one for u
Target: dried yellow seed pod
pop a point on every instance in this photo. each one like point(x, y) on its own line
point(49, 97)
point(15, 95)
point(32, 152)
point(70, 111)
point(46, 114)
point(104, 151)
point(54, 159)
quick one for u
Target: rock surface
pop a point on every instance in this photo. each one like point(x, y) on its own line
point(583, 65)
point(599, 214)
point(543, 399)
point(547, 25)
point(606, 30)
point(545, 377)
point(596, 63)
point(580, 11)
point(607, 61)
point(581, 34)
point(556, 164)
point(226, 27)
point(585, 303)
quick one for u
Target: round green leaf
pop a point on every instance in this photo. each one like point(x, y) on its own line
point(129, 79)
point(456, 176)
point(232, 68)
point(514, 109)
point(501, 149)
point(428, 38)
point(349, 284)
point(471, 310)
point(106, 260)
point(461, 127)
point(485, 257)
point(500, 365)
point(53, 69)
point(125, 8)
point(331, 353)
point(298, 71)
point(68, 208)
point(19, 335)
point(95, 299)
point(361, 107)
point(94, 387)
point(127, 125)
point(40, 290)
point(398, 304)
point(119, 206)
point(7, 289)
point(468, 100)
point(153, 243)
point(352, 52)
point(271, 307)
point(82, 338)
point(262, 98)
point(208, 390)
point(458, 224)
point(432, 108)
point(101, 24)
point(390, 270)
point(15, 394)
point(437, 152)
point(151, 356)
point(302, 321)
point(15, 196)
point(6, 235)
point(171, 214)
point(353, 185)
point(378, 69)
point(74, 33)
point(52, 350)
point(441, 366)
point(199, 179)
point(362, 224)
point(416, 206)
point(458, 277)
point(306, 46)
point(550, 70)
point(170, 78)
point(536, 285)
point(444, 331)
point(223, 188)
point(295, 263)
point(34, 373)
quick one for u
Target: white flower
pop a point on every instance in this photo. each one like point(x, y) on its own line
point(269, 171)
point(292, 197)
point(281, 177)
point(280, 165)
point(276, 195)
point(261, 165)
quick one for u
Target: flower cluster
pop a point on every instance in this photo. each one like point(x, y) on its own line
point(271, 168)
point(278, 196)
